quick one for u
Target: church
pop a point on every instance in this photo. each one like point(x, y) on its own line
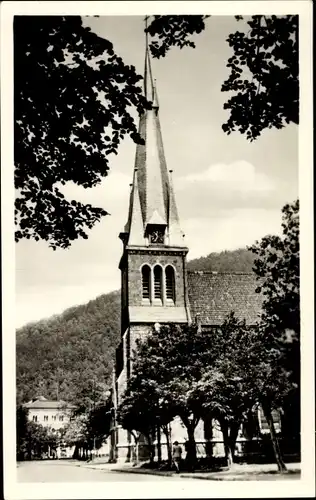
point(156, 287)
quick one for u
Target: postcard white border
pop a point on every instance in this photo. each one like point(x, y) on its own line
point(203, 489)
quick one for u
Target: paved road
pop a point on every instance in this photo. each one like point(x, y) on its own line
point(73, 472)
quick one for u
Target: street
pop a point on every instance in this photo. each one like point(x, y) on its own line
point(72, 471)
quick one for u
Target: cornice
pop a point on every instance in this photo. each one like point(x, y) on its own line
point(133, 250)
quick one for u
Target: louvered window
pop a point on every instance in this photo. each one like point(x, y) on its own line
point(170, 286)
point(146, 282)
point(157, 282)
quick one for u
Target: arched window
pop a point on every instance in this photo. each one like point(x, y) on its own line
point(170, 284)
point(157, 282)
point(146, 282)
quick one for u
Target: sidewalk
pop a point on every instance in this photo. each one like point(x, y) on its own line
point(244, 472)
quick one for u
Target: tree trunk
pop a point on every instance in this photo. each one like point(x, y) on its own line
point(136, 440)
point(151, 448)
point(166, 431)
point(191, 450)
point(233, 434)
point(137, 452)
point(208, 435)
point(274, 439)
point(158, 445)
point(227, 444)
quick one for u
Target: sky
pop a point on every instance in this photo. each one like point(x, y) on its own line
point(229, 191)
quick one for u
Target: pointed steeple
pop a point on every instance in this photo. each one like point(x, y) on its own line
point(136, 227)
point(176, 235)
point(152, 201)
point(148, 77)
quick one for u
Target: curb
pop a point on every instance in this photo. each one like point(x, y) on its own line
point(146, 471)
point(152, 472)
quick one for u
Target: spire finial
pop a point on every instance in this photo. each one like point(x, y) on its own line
point(146, 33)
point(148, 78)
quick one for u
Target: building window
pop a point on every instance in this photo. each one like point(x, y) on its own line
point(157, 283)
point(146, 282)
point(61, 418)
point(54, 417)
point(34, 418)
point(170, 284)
point(45, 418)
point(157, 236)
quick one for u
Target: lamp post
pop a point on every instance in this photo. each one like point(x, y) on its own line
point(93, 410)
point(113, 451)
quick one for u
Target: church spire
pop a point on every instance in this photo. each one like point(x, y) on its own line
point(136, 228)
point(176, 236)
point(152, 202)
point(148, 77)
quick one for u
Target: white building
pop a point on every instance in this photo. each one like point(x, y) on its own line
point(49, 413)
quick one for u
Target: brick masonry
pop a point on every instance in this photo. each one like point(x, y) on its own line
point(136, 261)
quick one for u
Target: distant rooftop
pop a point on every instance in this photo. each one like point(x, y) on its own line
point(42, 403)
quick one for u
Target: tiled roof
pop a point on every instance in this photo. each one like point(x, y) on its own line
point(213, 296)
point(46, 404)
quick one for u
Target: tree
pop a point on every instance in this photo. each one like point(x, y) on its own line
point(260, 366)
point(74, 434)
point(21, 432)
point(138, 419)
point(171, 359)
point(268, 54)
point(263, 69)
point(248, 370)
point(98, 424)
point(88, 428)
point(91, 421)
point(32, 438)
point(143, 411)
point(73, 99)
point(223, 391)
point(278, 269)
point(169, 31)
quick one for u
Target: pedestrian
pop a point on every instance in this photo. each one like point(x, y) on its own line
point(176, 455)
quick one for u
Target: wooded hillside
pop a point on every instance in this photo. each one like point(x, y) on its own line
point(240, 260)
point(61, 356)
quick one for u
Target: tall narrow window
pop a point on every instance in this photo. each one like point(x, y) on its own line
point(157, 282)
point(146, 282)
point(170, 284)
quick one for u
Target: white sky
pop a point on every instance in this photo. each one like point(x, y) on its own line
point(229, 191)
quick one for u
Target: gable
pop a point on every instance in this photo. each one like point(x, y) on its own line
point(212, 296)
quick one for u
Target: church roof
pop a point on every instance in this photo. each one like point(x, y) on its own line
point(212, 296)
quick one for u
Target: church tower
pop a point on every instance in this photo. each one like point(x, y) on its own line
point(153, 263)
